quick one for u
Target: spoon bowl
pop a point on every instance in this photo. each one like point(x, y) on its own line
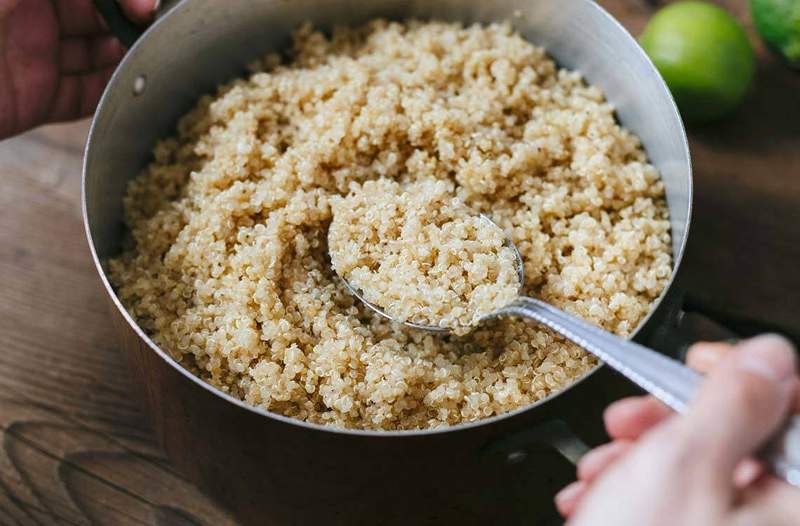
point(519, 265)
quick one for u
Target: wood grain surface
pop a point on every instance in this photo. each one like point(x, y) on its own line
point(76, 449)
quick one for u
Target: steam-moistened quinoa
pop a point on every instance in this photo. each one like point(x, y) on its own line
point(227, 267)
point(421, 254)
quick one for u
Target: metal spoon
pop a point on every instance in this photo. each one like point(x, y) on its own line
point(665, 378)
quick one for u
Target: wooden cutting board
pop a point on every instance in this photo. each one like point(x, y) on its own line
point(76, 449)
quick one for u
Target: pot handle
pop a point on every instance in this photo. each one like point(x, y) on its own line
point(126, 31)
point(686, 328)
point(553, 434)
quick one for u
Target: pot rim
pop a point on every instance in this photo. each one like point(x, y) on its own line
point(677, 259)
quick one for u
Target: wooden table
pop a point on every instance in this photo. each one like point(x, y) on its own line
point(77, 450)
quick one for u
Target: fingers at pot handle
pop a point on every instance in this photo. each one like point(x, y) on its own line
point(126, 30)
point(553, 434)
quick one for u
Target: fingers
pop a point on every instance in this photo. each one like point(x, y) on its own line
point(630, 418)
point(140, 11)
point(86, 66)
point(82, 55)
point(597, 460)
point(744, 399)
point(78, 17)
point(567, 499)
point(627, 420)
point(590, 467)
point(742, 402)
point(77, 95)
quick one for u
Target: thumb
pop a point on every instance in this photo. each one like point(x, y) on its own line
point(742, 402)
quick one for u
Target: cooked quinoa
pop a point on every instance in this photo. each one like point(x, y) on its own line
point(420, 254)
point(227, 264)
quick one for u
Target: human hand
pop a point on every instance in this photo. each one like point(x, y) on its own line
point(56, 56)
point(695, 469)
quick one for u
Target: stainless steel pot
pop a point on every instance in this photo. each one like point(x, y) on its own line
point(273, 470)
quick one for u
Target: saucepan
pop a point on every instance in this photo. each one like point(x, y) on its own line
point(269, 469)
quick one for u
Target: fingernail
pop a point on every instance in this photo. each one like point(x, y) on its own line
point(565, 497)
point(704, 356)
point(746, 472)
point(570, 491)
point(770, 356)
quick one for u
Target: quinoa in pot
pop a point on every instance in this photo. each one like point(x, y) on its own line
point(227, 265)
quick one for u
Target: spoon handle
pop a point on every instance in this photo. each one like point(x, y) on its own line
point(668, 380)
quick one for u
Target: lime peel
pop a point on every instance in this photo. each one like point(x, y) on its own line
point(704, 55)
point(778, 23)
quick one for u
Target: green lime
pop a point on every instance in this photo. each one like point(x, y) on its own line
point(778, 23)
point(704, 56)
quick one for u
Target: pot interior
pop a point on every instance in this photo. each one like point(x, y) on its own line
point(202, 43)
